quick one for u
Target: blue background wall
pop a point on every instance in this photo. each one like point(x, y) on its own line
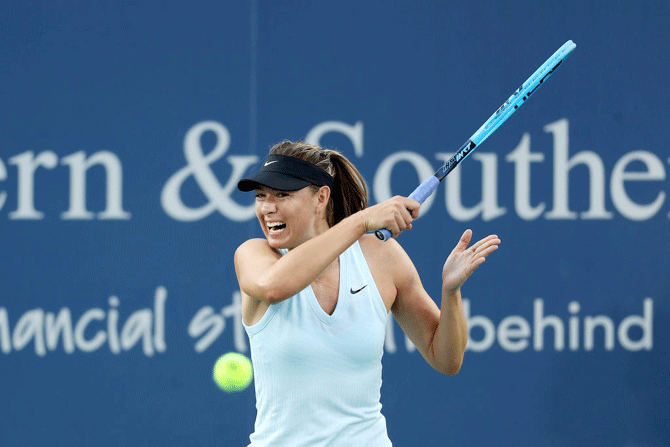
point(132, 257)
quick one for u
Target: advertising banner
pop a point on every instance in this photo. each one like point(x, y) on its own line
point(126, 127)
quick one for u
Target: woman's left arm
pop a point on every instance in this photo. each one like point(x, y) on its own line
point(439, 334)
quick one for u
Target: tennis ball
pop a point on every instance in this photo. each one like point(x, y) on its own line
point(233, 372)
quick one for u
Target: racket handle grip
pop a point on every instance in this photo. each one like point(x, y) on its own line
point(420, 194)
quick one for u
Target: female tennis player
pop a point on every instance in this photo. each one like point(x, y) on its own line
point(316, 293)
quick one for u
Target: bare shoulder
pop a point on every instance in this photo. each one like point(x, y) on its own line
point(389, 265)
point(252, 258)
point(254, 244)
point(388, 254)
point(254, 248)
point(370, 244)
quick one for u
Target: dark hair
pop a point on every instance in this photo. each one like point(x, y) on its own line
point(349, 193)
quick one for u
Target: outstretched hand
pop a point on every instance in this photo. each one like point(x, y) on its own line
point(463, 261)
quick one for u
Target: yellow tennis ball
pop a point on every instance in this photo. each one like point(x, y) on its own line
point(233, 372)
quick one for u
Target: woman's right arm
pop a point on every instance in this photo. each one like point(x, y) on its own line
point(267, 276)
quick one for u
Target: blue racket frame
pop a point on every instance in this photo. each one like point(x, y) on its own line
point(515, 101)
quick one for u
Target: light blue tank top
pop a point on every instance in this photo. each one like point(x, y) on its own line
point(318, 376)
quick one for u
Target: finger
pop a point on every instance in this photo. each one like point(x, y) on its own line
point(402, 220)
point(413, 207)
point(393, 228)
point(485, 242)
point(483, 253)
point(465, 240)
point(408, 208)
point(401, 207)
point(494, 242)
point(406, 216)
point(477, 263)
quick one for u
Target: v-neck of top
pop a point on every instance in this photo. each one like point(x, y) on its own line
point(341, 296)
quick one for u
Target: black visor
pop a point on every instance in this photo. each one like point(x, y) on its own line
point(285, 173)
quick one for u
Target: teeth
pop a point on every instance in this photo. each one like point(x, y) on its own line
point(276, 226)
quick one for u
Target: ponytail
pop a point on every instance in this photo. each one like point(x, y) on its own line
point(349, 194)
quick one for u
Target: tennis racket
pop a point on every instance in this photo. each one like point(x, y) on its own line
point(529, 87)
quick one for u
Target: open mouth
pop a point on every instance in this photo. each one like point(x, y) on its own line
point(276, 227)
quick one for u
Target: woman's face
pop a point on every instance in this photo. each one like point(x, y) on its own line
point(289, 218)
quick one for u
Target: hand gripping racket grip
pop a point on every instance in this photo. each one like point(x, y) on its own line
point(420, 194)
